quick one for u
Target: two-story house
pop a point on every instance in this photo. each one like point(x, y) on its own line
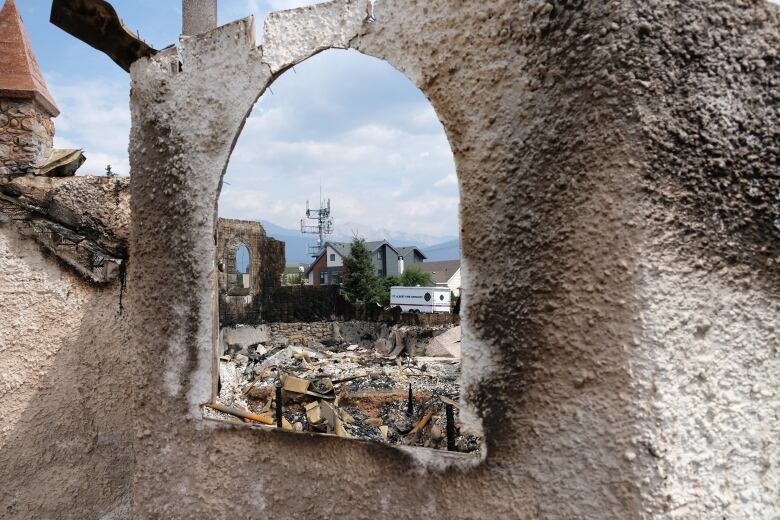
point(388, 261)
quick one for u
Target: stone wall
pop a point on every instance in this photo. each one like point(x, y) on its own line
point(26, 135)
point(317, 330)
point(267, 259)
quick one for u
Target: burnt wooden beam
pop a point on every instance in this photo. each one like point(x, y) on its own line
point(96, 23)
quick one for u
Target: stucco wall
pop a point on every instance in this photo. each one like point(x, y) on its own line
point(629, 367)
point(542, 104)
point(65, 391)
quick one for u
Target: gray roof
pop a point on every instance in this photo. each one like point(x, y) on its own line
point(441, 272)
point(373, 246)
point(344, 249)
point(409, 250)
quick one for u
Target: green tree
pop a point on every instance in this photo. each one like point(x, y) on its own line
point(110, 172)
point(357, 278)
point(413, 277)
point(383, 286)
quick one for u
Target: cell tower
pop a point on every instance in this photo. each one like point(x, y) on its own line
point(317, 222)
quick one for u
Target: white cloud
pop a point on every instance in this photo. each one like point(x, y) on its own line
point(378, 175)
point(94, 116)
point(447, 180)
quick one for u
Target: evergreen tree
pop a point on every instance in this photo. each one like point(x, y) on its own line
point(358, 279)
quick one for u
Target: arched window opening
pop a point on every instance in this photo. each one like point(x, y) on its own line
point(238, 272)
point(243, 273)
point(345, 171)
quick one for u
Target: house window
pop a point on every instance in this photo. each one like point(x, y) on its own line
point(332, 257)
point(323, 278)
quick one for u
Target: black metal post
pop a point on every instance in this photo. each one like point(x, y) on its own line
point(410, 402)
point(450, 427)
point(278, 404)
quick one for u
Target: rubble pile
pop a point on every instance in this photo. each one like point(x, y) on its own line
point(374, 391)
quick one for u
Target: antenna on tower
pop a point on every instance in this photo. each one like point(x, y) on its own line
point(317, 222)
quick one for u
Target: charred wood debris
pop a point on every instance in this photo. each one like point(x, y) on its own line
point(400, 390)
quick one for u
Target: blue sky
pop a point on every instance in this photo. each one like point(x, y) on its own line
point(348, 121)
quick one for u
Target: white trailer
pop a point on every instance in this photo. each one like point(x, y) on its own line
point(421, 299)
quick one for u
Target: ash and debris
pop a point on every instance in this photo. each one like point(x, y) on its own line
point(358, 390)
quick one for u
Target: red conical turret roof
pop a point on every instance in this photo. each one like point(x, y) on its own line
point(20, 76)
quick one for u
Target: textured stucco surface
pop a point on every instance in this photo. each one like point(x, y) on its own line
point(65, 446)
point(551, 127)
point(709, 366)
point(198, 16)
point(630, 368)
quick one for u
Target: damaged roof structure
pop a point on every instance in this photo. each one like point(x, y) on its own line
point(27, 109)
point(618, 172)
point(91, 239)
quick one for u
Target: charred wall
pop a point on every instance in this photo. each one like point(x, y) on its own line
point(265, 267)
point(620, 278)
point(308, 303)
point(569, 272)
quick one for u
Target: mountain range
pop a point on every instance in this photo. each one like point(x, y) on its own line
point(296, 244)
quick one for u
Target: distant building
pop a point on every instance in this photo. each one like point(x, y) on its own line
point(388, 261)
point(411, 256)
point(446, 272)
point(293, 274)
